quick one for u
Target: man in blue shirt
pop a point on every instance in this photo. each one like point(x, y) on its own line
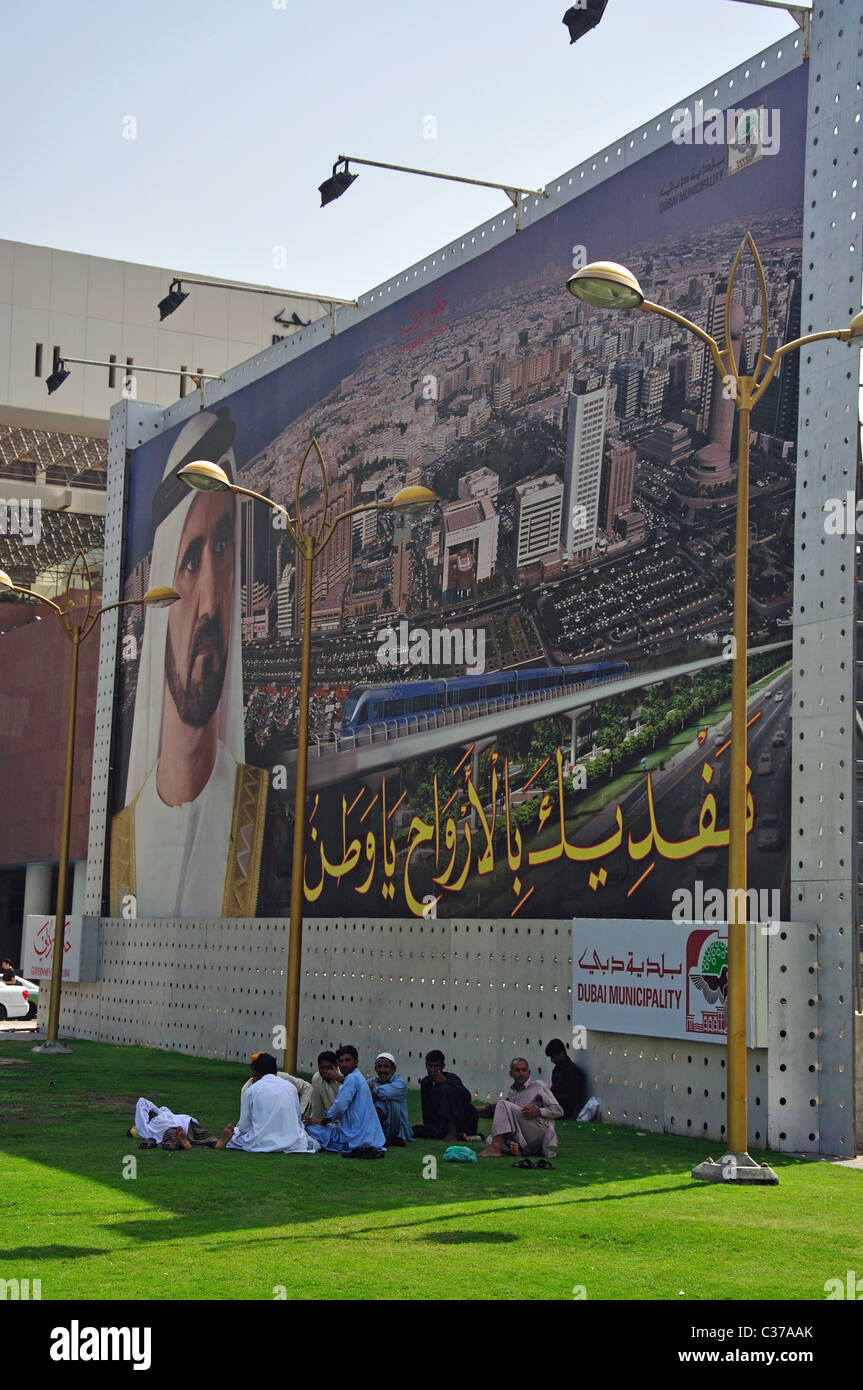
point(351, 1121)
point(390, 1096)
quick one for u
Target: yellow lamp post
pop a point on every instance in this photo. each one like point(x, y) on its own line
point(610, 286)
point(75, 631)
point(209, 477)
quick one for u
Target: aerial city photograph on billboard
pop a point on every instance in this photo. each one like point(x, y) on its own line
point(490, 731)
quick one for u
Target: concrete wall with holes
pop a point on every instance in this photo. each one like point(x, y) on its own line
point(483, 991)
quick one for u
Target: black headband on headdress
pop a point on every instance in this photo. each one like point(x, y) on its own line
point(211, 447)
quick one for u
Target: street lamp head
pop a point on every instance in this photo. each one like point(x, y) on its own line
point(855, 328)
point(606, 285)
point(412, 499)
point(5, 581)
point(160, 597)
point(206, 477)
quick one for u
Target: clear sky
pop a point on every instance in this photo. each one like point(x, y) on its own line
point(239, 110)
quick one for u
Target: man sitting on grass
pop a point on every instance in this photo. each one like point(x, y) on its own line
point(351, 1121)
point(390, 1095)
point(158, 1125)
point(524, 1121)
point(302, 1088)
point(269, 1115)
point(448, 1113)
point(568, 1085)
point(326, 1084)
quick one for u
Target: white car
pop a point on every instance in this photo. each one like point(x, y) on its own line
point(14, 1001)
point(32, 995)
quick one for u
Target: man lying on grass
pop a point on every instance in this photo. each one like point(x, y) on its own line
point(159, 1125)
point(524, 1121)
point(269, 1115)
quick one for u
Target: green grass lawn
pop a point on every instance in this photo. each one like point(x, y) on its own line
point(619, 1215)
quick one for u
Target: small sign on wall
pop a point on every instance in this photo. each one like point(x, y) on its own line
point(80, 948)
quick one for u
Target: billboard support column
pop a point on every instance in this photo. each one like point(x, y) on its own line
point(295, 941)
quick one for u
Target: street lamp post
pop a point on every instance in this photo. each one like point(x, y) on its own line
point(75, 632)
point(609, 286)
point(209, 477)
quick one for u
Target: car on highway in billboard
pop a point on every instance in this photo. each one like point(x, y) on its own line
point(779, 696)
point(769, 831)
point(765, 764)
point(14, 1001)
point(707, 862)
point(778, 739)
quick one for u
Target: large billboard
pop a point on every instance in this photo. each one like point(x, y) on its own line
point(511, 714)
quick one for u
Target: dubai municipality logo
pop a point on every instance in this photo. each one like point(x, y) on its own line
point(706, 981)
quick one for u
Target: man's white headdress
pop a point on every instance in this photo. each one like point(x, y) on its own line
point(208, 435)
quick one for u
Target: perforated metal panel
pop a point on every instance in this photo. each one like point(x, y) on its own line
point(480, 991)
point(813, 964)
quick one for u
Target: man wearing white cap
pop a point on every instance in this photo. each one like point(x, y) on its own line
point(188, 841)
point(390, 1095)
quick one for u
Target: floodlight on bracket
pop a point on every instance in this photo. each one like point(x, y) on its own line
point(326, 301)
point(341, 180)
point(60, 372)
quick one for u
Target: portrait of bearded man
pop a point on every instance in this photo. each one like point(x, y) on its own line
point(188, 840)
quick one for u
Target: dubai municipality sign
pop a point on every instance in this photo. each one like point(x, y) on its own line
point(662, 979)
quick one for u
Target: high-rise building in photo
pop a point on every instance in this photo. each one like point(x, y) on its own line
point(540, 507)
point(620, 482)
point(470, 533)
point(583, 466)
point(715, 326)
point(627, 377)
point(285, 601)
point(653, 387)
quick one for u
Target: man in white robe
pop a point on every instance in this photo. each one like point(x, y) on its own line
point(157, 1124)
point(269, 1115)
point(189, 839)
point(302, 1088)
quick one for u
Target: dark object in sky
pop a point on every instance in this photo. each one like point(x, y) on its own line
point(580, 19)
point(336, 185)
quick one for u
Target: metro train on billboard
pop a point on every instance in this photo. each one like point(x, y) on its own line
point(490, 732)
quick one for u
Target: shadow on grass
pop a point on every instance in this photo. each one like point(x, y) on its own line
point(51, 1252)
point(192, 1228)
point(209, 1192)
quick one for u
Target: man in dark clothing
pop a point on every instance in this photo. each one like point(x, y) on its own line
point(447, 1110)
point(567, 1080)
